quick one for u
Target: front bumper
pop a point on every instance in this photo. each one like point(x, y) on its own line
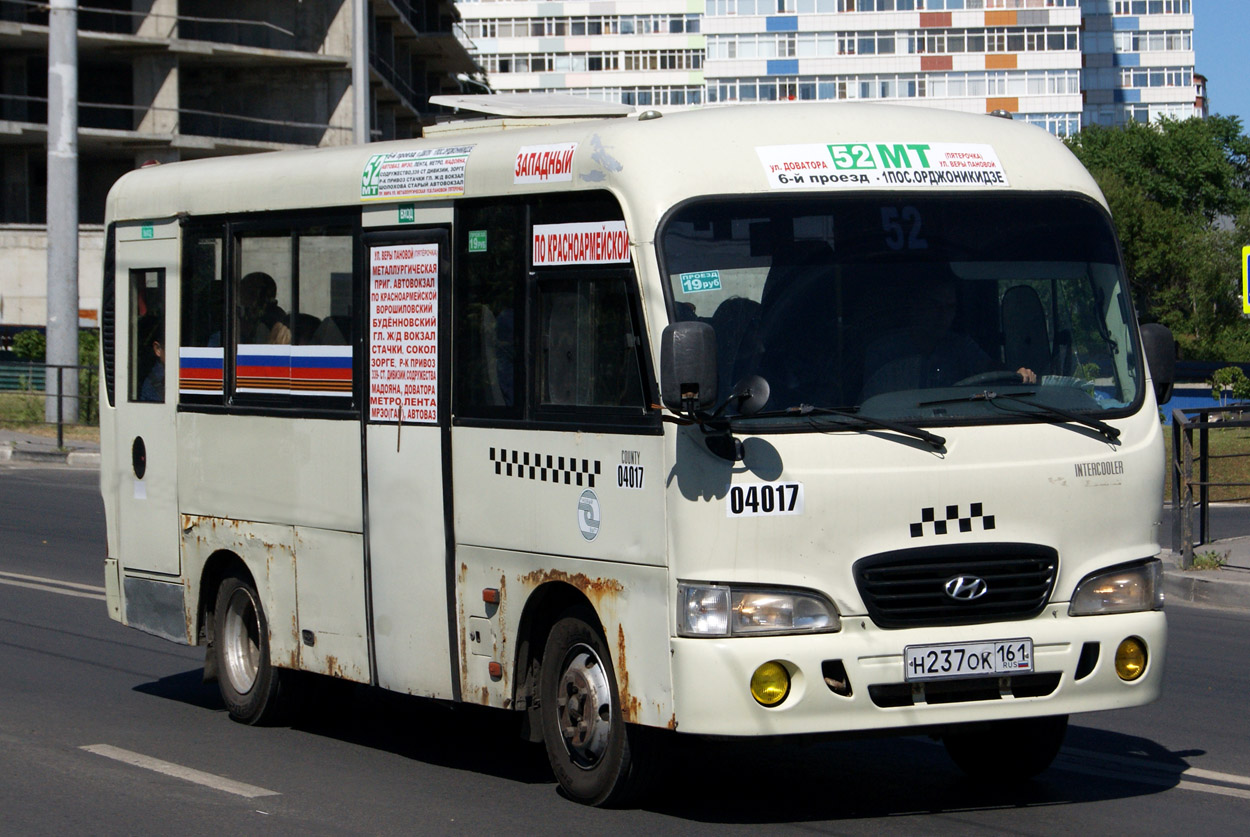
point(711, 677)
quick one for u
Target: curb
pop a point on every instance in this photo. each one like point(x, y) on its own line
point(9, 452)
point(83, 459)
point(1216, 588)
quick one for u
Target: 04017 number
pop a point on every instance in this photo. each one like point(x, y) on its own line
point(764, 498)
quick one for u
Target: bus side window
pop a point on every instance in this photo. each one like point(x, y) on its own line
point(147, 335)
point(488, 290)
point(293, 317)
point(588, 347)
point(200, 353)
point(325, 291)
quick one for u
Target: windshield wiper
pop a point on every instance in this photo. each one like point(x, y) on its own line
point(856, 422)
point(1056, 414)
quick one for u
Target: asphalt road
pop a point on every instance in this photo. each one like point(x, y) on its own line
point(104, 730)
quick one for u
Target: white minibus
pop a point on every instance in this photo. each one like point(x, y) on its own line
point(776, 420)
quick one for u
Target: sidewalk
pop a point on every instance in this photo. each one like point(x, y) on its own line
point(1225, 587)
point(15, 446)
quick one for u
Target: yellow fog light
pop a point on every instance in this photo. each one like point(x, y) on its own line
point(770, 684)
point(1130, 659)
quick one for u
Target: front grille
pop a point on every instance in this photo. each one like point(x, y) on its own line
point(907, 588)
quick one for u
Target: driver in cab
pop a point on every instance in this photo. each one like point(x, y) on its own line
point(925, 352)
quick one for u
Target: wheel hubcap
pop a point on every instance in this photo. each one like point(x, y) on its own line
point(584, 705)
point(241, 641)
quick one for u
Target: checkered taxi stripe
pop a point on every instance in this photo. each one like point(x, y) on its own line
point(952, 521)
point(545, 467)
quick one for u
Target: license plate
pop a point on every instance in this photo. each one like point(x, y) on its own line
point(967, 659)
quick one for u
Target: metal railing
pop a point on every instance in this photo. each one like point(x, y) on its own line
point(42, 381)
point(191, 121)
point(1184, 424)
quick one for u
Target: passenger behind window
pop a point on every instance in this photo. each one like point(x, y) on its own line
point(925, 351)
point(152, 357)
point(261, 319)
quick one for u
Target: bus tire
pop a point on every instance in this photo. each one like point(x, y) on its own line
point(1007, 751)
point(254, 691)
point(587, 740)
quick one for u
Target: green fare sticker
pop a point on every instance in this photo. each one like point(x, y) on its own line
point(703, 280)
point(407, 213)
point(477, 241)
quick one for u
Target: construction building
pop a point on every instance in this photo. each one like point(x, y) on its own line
point(166, 80)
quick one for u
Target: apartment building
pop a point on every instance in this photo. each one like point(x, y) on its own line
point(644, 53)
point(167, 80)
point(1023, 56)
point(1139, 61)
point(1054, 63)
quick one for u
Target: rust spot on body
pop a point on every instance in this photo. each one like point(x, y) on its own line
point(462, 626)
point(595, 588)
point(630, 705)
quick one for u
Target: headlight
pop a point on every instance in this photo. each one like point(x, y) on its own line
point(1122, 590)
point(715, 610)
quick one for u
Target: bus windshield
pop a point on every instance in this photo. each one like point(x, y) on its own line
point(916, 308)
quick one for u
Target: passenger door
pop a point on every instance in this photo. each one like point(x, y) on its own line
point(146, 393)
point(406, 442)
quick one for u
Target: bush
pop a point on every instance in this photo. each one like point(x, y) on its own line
point(30, 345)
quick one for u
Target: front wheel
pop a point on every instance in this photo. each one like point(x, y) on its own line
point(1007, 751)
point(592, 754)
point(253, 690)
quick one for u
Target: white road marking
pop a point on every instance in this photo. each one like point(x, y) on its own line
point(1216, 789)
point(52, 585)
point(1127, 768)
point(178, 771)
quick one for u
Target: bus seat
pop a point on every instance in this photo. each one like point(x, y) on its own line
point(737, 325)
point(333, 331)
point(799, 324)
point(1026, 342)
point(304, 329)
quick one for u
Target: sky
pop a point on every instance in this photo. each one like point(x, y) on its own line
point(1222, 54)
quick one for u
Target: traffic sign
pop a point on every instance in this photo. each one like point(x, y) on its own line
point(1245, 280)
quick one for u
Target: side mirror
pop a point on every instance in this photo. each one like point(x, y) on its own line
point(688, 366)
point(1160, 350)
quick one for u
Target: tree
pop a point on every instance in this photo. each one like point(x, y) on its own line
point(30, 345)
point(1227, 381)
point(1179, 193)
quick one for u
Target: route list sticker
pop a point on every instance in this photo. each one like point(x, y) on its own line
point(430, 172)
point(403, 333)
point(937, 165)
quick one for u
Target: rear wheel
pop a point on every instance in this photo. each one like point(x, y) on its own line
point(593, 754)
point(253, 690)
point(1007, 751)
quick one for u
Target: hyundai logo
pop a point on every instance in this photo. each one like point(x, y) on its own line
point(966, 588)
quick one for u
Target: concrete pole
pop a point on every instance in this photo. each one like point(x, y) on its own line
point(360, 71)
point(62, 323)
